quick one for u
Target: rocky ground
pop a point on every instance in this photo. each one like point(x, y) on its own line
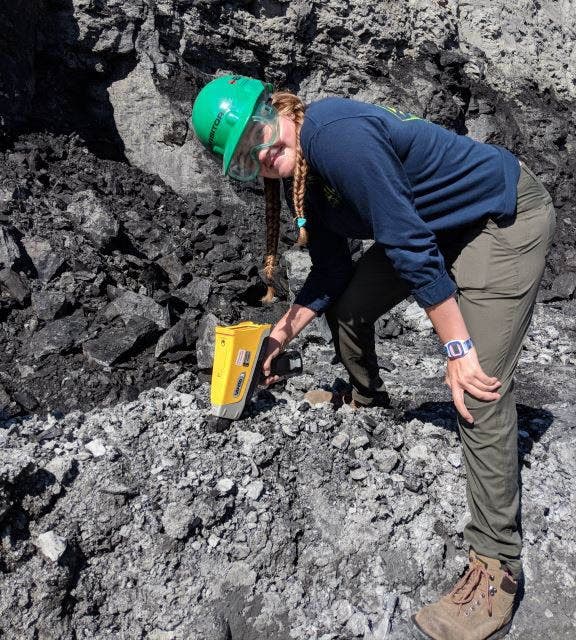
point(300, 522)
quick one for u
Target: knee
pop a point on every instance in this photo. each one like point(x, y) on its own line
point(340, 313)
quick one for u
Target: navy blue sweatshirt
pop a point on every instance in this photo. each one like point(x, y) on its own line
point(380, 173)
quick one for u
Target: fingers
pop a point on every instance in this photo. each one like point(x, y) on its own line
point(465, 375)
point(273, 351)
point(268, 380)
point(480, 390)
point(476, 388)
point(266, 366)
point(458, 399)
point(482, 381)
point(482, 384)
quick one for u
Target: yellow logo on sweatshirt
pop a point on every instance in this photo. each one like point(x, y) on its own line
point(403, 116)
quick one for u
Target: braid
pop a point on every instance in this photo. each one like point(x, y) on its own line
point(300, 173)
point(272, 195)
point(287, 104)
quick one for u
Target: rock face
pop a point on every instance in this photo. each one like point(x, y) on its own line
point(500, 72)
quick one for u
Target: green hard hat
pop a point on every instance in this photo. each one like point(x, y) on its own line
point(222, 110)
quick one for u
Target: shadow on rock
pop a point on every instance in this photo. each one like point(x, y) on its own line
point(532, 422)
point(71, 80)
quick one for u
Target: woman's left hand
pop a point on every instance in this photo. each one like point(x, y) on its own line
point(274, 348)
point(466, 375)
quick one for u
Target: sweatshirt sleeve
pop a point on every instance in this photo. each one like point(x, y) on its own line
point(356, 157)
point(331, 268)
point(330, 272)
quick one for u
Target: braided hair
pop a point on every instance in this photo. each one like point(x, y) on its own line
point(287, 104)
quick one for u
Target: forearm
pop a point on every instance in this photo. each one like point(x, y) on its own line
point(292, 323)
point(448, 321)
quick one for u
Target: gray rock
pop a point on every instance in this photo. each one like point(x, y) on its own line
point(357, 625)
point(381, 628)
point(255, 489)
point(414, 317)
point(290, 430)
point(147, 119)
point(15, 284)
point(61, 467)
point(48, 305)
point(359, 442)
point(419, 452)
point(175, 269)
point(341, 441)
point(179, 520)
point(483, 128)
point(9, 251)
point(196, 293)
point(385, 459)
point(52, 545)
point(6, 196)
point(59, 336)
point(205, 342)
point(116, 343)
point(455, 459)
point(129, 304)
point(250, 439)
point(96, 447)
point(178, 337)
point(342, 611)
point(240, 574)
point(98, 224)
point(563, 287)
point(359, 474)
point(45, 260)
point(14, 462)
point(225, 486)
point(8, 406)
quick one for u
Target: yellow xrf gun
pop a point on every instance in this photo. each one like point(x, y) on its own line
point(237, 369)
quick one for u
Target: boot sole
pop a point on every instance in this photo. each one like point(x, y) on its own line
point(422, 635)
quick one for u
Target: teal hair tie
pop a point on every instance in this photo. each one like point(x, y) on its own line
point(301, 222)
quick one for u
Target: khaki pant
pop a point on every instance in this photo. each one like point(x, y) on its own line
point(498, 269)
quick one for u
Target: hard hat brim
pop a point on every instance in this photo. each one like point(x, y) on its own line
point(234, 139)
point(237, 132)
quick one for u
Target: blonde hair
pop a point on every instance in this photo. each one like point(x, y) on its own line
point(287, 104)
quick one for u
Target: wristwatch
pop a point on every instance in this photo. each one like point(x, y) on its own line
point(455, 349)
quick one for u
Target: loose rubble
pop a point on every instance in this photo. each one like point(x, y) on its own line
point(108, 279)
point(137, 520)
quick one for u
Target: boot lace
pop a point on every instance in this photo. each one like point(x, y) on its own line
point(465, 589)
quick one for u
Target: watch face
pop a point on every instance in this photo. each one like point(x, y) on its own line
point(455, 349)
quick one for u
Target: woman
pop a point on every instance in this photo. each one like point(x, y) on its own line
point(461, 226)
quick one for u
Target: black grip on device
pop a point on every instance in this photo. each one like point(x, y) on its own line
point(287, 364)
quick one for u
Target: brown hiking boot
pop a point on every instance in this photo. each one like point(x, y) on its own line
point(335, 398)
point(479, 607)
point(338, 398)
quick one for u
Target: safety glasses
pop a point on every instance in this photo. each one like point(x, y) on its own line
point(260, 133)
